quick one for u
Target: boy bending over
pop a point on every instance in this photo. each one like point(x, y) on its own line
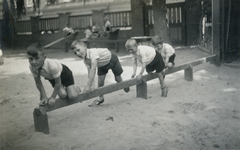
point(59, 75)
point(150, 59)
point(166, 50)
point(100, 59)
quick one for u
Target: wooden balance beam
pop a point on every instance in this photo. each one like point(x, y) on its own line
point(40, 115)
point(59, 40)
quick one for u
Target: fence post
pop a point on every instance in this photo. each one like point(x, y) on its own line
point(137, 18)
point(142, 90)
point(35, 28)
point(63, 20)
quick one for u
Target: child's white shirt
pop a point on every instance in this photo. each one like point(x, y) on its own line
point(102, 55)
point(167, 51)
point(145, 54)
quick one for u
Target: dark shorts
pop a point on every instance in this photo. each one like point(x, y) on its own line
point(157, 64)
point(114, 64)
point(66, 77)
point(172, 58)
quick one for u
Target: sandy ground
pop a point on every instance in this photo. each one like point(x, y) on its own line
point(202, 114)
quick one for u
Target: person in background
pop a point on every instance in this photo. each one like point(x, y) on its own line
point(88, 32)
point(107, 26)
point(1, 56)
point(66, 32)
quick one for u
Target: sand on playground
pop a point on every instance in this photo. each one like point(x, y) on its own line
point(202, 114)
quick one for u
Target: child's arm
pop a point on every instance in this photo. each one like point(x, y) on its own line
point(134, 67)
point(166, 61)
point(91, 75)
point(56, 89)
point(39, 85)
point(139, 77)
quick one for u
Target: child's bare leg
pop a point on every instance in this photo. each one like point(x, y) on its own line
point(101, 80)
point(162, 83)
point(72, 92)
point(62, 92)
point(119, 79)
point(161, 80)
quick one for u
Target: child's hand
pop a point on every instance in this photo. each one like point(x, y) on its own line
point(87, 89)
point(133, 75)
point(139, 77)
point(51, 101)
point(43, 102)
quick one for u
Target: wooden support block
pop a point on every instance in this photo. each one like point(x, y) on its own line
point(41, 120)
point(142, 90)
point(188, 73)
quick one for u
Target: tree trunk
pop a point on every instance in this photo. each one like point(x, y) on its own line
point(160, 20)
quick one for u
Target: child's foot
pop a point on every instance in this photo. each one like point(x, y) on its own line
point(96, 102)
point(127, 90)
point(164, 91)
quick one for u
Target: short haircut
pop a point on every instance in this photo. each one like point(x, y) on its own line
point(35, 49)
point(77, 42)
point(130, 43)
point(157, 40)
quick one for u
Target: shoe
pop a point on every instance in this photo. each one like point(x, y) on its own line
point(127, 90)
point(164, 91)
point(96, 102)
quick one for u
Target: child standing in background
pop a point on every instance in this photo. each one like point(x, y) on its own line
point(1, 56)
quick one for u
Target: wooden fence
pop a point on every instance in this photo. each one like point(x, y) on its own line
point(23, 27)
point(80, 22)
point(49, 24)
point(120, 19)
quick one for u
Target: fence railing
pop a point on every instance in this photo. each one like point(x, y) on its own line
point(49, 24)
point(23, 26)
point(120, 19)
point(80, 22)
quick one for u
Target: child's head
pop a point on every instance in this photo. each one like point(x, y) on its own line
point(79, 48)
point(131, 46)
point(105, 19)
point(157, 42)
point(36, 56)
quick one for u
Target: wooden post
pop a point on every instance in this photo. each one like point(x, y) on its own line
point(41, 120)
point(188, 73)
point(35, 28)
point(216, 31)
point(142, 90)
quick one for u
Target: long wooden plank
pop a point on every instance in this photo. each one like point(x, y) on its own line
point(59, 40)
point(127, 83)
point(107, 41)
